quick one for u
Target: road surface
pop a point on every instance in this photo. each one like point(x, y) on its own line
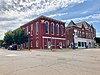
point(74, 62)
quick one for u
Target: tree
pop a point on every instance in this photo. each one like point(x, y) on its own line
point(8, 38)
point(1, 43)
point(19, 37)
point(97, 40)
point(15, 37)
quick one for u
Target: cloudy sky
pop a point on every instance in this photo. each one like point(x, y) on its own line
point(14, 13)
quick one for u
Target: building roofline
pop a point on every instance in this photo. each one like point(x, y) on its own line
point(43, 17)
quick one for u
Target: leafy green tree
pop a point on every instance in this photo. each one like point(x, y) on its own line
point(1, 43)
point(8, 38)
point(97, 40)
point(15, 37)
point(19, 37)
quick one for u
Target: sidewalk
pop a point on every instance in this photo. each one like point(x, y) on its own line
point(47, 50)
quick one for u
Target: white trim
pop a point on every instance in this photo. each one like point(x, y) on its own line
point(54, 38)
point(76, 40)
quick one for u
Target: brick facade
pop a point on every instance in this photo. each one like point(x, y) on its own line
point(81, 35)
point(44, 31)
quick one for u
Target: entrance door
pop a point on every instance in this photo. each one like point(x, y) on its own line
point(60, 44)
point(49, 44)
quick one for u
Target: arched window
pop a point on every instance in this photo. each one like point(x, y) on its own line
point(57, 29)
point(47, 27)
point(52, 28)
point(61, 29)
point(27, 30)
point(37, 24)
point(37, 43)
point(31, 29)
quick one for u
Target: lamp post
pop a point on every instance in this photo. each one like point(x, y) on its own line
point(51, 41)
point(28, 40)
point(73, 46)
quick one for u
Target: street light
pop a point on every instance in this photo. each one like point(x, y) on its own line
point(73, 46)
point(51, 41)
point(28, 40)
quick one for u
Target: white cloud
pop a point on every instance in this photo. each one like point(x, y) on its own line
point(58, 14)
point(85, 12)
point(98, 34)
point(2, 33)
point(94, 17)
point(14, 13)
point(33, 7)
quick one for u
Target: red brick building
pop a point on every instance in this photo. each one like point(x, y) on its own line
point(45, 33)
point(80, 35)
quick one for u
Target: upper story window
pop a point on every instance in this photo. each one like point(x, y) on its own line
point(47, 27)
point(52, 28)
point(57, 29)
point(27, 30)
point(61, 29)
point(31, 29)
point(86, 34)
point(83, 33)
point(75, 32)
point(37, 24)
point(31, 43)
point(80, 33)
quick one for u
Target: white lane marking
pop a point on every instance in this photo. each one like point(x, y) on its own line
point(13, 55)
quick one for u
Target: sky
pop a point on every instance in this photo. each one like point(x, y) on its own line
point(15, 13)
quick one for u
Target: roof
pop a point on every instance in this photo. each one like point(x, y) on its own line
point(71, 23)
point(51, 19)
point(85, 24)
point(92, 27)
point(43, 17)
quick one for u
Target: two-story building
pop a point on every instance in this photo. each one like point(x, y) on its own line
point(45, 33)
point(80, 35)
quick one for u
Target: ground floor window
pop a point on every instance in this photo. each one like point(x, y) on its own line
point(45, 43)
point(49, 44)
point(85, 44)
point(82, 44)
point(79, 44)
point(27, 44)
point(52, 43)
point(37, 43)
point(31, 43)
point(57, 43)
point(75, 44)
point(60, 44)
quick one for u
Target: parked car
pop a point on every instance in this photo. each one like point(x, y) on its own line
point(12, 47)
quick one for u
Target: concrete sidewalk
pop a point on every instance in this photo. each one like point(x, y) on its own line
point(48, 50)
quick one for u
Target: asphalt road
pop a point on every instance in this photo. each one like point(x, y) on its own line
point(65, 62)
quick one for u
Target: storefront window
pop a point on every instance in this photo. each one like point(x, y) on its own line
point(79, 44)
